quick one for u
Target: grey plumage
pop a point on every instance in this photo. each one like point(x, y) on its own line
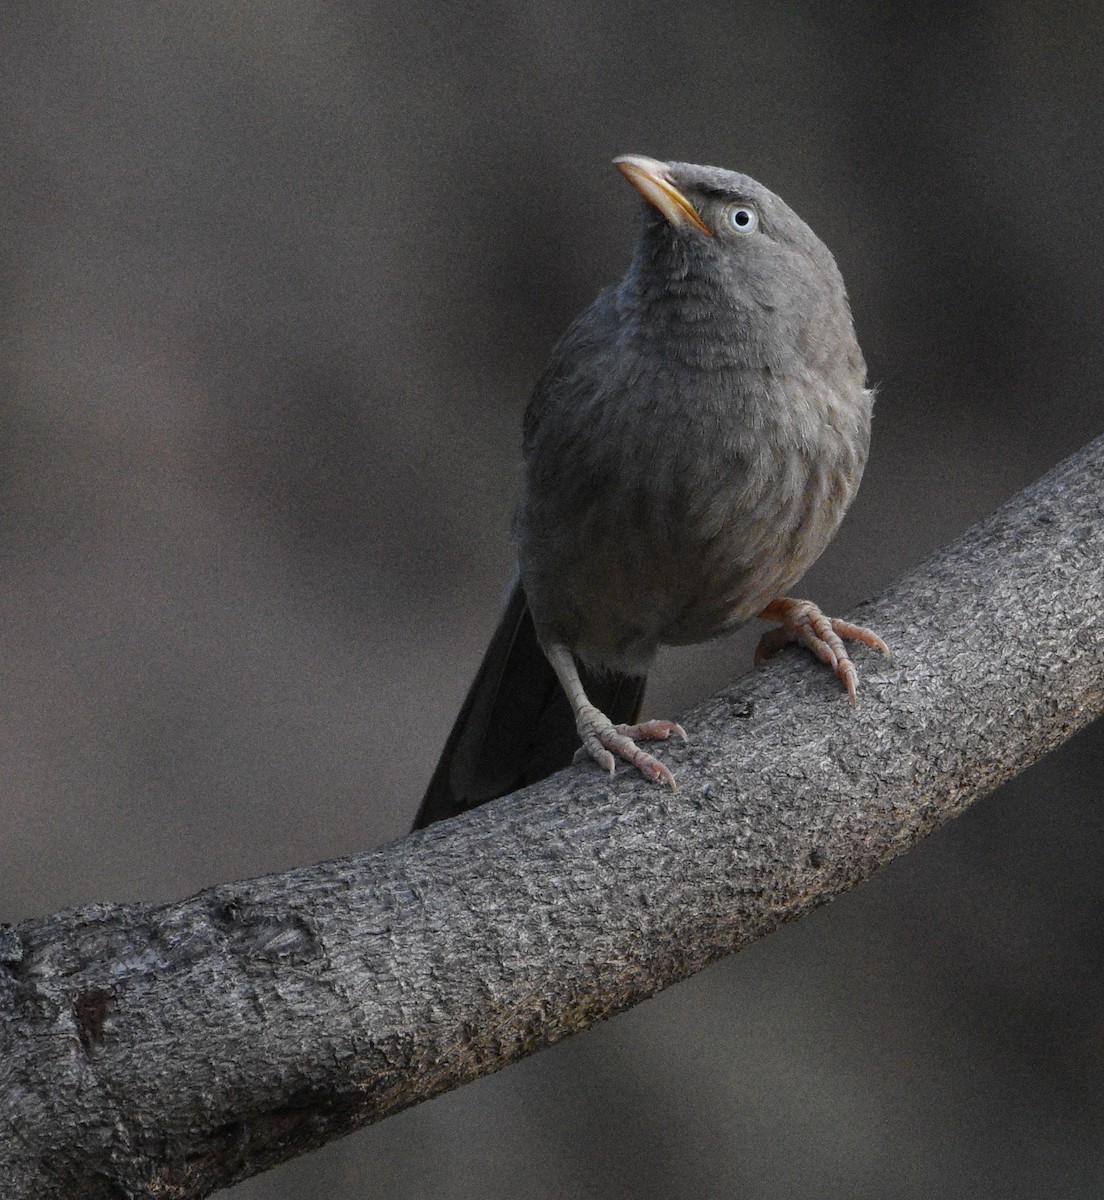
point(694, 442)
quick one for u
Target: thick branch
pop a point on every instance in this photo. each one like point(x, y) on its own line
point(173, 1050)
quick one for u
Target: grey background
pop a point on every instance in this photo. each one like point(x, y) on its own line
point(276, 279)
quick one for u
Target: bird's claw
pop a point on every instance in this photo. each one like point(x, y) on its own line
point(653, 731)
point(605, 744)
point(803, 622)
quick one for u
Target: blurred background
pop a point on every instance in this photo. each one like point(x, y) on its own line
point(276, 279)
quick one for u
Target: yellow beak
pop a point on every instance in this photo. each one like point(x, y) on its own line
point(649, 177)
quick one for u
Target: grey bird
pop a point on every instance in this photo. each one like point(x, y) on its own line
point(690, 449)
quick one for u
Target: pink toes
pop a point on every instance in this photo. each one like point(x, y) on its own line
point(801, 621)
point(607, 743)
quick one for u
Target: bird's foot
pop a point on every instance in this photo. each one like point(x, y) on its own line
point(605, 742)
point(801, 621)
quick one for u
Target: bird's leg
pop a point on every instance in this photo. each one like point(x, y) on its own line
point(602, 740)
point(801, 621)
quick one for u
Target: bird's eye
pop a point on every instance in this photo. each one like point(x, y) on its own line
point(743, 219)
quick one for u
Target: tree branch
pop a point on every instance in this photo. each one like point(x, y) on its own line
point(174, 1050)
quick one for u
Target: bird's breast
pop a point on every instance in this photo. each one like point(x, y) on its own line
point(677, 505)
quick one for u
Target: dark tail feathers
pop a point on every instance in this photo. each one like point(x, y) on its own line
point(516, 725)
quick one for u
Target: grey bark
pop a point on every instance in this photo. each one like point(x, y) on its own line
point(172, 1050)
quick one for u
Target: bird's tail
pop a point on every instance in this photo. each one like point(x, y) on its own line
point(516, 725)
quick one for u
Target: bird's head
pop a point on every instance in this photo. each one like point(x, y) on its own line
point(719, 227)
point(718, 241)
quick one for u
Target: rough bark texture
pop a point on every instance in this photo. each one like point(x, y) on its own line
point(172, 1050)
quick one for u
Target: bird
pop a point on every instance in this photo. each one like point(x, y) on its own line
point(689, 451)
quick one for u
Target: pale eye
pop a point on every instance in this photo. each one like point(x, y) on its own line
point(743, 219)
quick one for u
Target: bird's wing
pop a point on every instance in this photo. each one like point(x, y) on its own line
point(575, 364)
